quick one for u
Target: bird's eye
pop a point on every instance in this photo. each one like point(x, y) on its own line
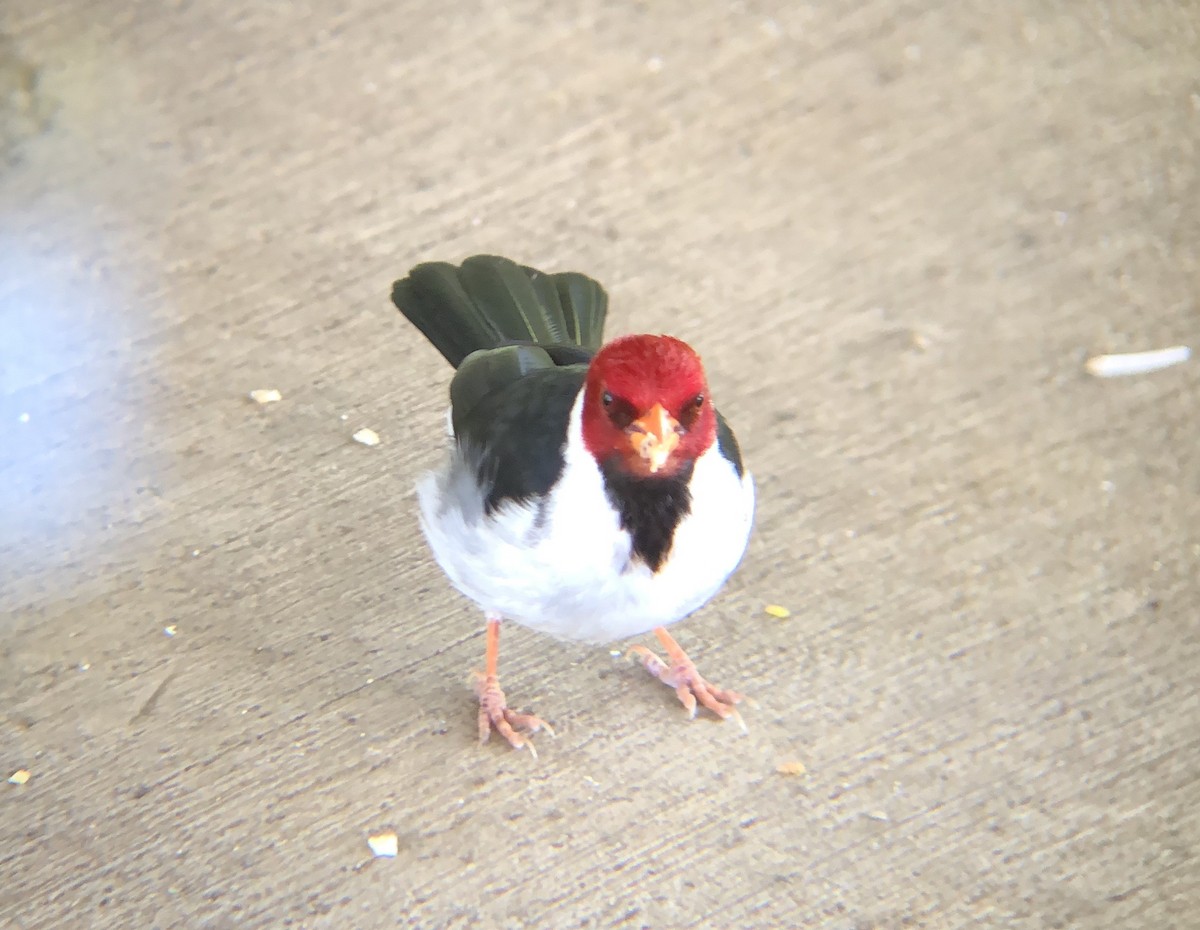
point(619, 411)
point(690, 412)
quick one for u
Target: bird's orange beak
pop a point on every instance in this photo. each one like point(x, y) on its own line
point(654, 437)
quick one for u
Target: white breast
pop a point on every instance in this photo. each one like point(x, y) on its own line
point(562, 565)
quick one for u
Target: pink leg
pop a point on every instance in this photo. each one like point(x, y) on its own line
point(494, 712)
point(680, 673)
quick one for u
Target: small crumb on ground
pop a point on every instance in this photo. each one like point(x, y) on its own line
point(368, 437)
point(777, 611)
point(20, 776)
point(384, 844)
point(791, 768)
point(265, 396)
point(1136, 363)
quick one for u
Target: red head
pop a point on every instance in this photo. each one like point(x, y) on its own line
point(646, 406)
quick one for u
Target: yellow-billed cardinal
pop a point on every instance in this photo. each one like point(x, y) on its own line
point(593, 491)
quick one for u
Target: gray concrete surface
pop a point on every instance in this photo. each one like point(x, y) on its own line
point(895, 230)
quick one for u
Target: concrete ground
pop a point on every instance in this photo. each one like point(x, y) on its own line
point(896, 230)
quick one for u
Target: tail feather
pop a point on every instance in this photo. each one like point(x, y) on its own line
point(546, 294)
point(490, 301)
point(588, 306)
point(505, 293)
point(434, 299)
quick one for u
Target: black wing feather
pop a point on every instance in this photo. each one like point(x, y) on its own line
point(517, 435)
point(727, 445)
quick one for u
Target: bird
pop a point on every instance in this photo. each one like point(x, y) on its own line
point(590, 490)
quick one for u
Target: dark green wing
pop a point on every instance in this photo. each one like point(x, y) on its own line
point(520, 340)
point(727, 444)
point(510, 408)
point(490, 373)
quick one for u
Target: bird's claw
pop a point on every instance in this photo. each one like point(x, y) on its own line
point(495, 714)
point(690, 686)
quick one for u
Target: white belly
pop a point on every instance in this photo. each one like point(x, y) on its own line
point(564, 567)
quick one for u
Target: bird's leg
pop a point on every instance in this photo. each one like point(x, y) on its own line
point(679, 672)
point(493, 709)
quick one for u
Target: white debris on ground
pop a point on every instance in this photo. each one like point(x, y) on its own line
point(368, 437)
point(265, 396)
point(384, 844)
point(1136, 363)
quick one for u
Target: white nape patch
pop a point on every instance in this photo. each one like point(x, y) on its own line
point(561, 564)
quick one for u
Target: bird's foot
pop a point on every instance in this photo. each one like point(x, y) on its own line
point(690, 686)
point(494, 714)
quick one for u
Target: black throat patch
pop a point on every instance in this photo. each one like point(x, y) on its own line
point(650, 509)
